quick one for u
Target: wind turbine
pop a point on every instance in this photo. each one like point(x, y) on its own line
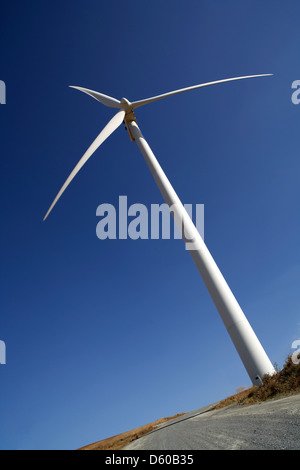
point(250, 350)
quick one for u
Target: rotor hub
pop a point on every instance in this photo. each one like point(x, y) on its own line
point(126, 105)
point(129, 116)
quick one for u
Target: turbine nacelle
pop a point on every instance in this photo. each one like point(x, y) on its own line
point(129, 115)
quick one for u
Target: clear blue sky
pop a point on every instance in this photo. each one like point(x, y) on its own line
point(105, 336)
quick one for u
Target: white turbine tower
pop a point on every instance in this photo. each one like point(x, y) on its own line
point(246, 342)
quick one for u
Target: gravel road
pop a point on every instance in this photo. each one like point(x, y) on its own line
point(272, 425)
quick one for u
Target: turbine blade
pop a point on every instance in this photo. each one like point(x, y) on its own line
point(136, 104)
point(104, 99)
point(112, 125)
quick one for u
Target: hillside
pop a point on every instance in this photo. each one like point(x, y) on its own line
point(121, 440)
point(283, 383)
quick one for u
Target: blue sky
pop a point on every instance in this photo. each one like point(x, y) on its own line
point(104, 336)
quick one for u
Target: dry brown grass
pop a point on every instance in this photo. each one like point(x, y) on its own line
point(121, 440)
point(283, 383)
